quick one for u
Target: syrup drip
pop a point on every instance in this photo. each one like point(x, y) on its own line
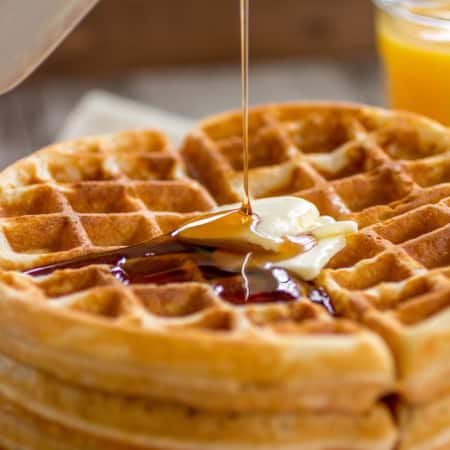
point(241, 281)
point(233, 230)
point(159, 246)
point(239, 287)
point(246, 203)
point(143, 264)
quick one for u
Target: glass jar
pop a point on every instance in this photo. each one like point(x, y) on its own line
point(414, 43)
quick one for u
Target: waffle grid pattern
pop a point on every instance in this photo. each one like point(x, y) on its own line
point(94, 194)
point(351, 163)
point(391, 174)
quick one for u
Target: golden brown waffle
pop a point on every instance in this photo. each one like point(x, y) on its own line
point(192, 370)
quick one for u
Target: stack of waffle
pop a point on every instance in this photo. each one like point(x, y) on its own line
point(87, 362)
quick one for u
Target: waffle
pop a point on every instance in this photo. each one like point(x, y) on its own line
point(91, 419)
point(192, 371)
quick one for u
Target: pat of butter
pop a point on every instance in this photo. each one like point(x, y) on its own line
point(291, 216)
point(309, 264)
point(281, 216)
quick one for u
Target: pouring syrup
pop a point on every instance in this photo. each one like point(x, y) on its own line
point(246, 203)
point(198, 241)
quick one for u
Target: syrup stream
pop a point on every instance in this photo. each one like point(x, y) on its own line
point(246, 203)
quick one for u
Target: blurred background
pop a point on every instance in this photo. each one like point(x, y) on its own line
point(182, 56)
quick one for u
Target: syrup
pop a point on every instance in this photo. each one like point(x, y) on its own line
point(224, 247)
point(232, 229)
point(166, 260)
point(159, 246)
point(246, 204)
point(236, 231)
point(247, 284)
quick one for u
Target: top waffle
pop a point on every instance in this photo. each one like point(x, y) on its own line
point(179, 341)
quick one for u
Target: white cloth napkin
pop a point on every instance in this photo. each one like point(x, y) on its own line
point(100, 112)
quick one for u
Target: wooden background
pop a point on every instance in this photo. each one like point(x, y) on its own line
point(126, 34)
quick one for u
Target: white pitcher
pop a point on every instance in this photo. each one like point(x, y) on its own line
point(30, 30)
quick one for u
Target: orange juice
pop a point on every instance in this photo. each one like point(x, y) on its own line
point(415, 48)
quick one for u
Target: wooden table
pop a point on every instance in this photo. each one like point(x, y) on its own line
point(31, 116)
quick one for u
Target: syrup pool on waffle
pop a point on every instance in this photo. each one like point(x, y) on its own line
point(260, 258)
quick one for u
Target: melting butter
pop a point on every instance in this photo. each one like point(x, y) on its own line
point(276, 220)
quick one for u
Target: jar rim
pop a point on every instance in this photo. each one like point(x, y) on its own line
point(404, 9)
